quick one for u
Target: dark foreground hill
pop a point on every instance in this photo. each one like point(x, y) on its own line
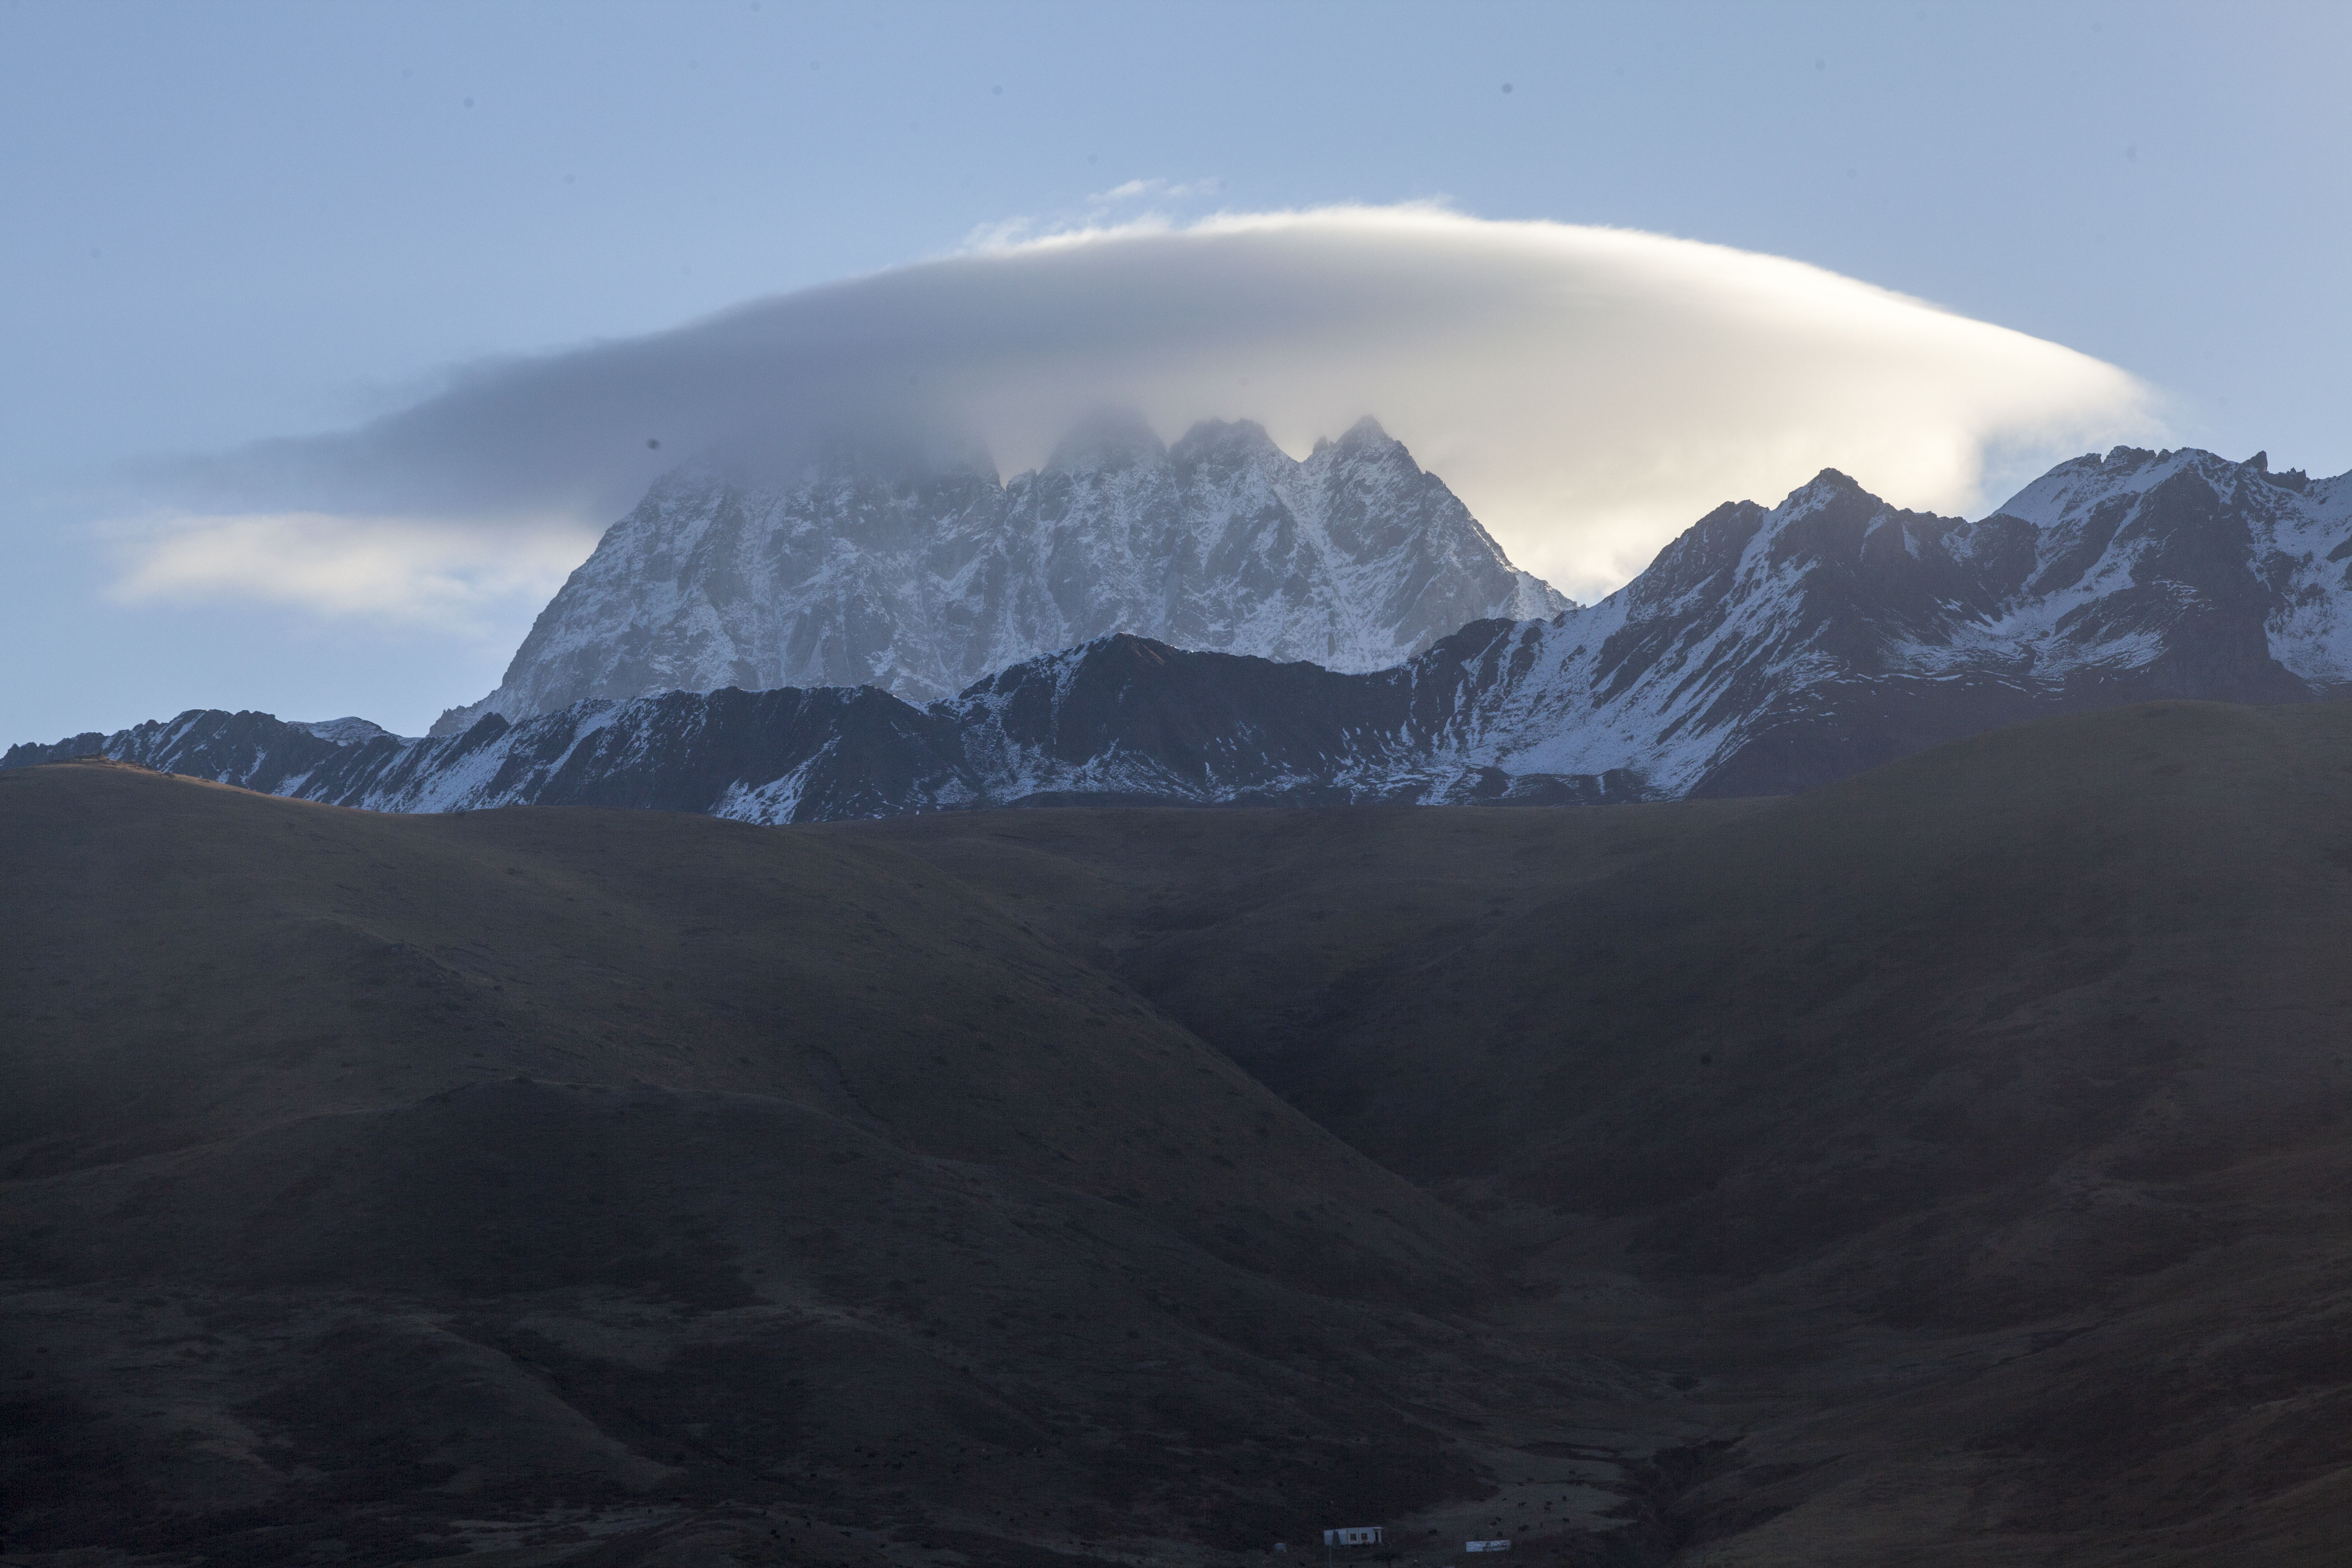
point(1947, 1166)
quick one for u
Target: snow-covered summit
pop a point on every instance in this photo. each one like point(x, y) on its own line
point(920, 578)
point(1763, 651)
point(1768, 650)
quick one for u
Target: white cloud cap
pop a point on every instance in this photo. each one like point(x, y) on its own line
point(1588, 392)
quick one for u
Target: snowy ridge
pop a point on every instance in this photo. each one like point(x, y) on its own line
point(920, 574)
point(1763, 651)
point(343, 732)
point(1766, 651)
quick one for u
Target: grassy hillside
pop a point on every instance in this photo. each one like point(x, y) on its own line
point(648, 1160)
point(1987, 1118)
point(1947, 1166)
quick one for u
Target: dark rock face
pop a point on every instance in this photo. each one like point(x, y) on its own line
point(1763, 652)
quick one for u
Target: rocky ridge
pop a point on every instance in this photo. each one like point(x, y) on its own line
point(919, 573)
point(1764, 651)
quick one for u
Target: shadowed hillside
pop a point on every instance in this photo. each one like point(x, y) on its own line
point(1945, 1166)
point(640, 1159)
point(1999, 1101)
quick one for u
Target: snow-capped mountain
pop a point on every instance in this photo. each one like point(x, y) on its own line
point(920, 575)
point(1767, 651)
point(1118, 720)
point(1762, 651)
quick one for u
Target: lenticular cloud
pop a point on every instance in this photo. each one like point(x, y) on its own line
point(1589, 391)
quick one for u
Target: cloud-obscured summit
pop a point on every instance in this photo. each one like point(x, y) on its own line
point(922, 577)
point(1586, 391)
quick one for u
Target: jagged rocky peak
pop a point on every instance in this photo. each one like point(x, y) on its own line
point(1764, 650)
point(1365, 433)
point(903, 562)
point(1110, 438)
point(1228, 444)
point(1828, 485)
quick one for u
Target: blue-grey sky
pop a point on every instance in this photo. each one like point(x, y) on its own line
point(235, 224)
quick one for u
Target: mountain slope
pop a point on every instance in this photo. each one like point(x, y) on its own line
point(1765, 651)
point(1976, 1127)
point(1944, 1166)
point(1119, 718)
point(920, 574)
point(660, 1167)
point(1762, 652)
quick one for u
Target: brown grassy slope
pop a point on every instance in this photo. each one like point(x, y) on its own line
point(2038, 1047)
point(367, 1172)
point(194, 962)
point(2121, 934)
point(1961, 1150)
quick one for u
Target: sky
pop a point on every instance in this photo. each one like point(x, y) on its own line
point(291, 297)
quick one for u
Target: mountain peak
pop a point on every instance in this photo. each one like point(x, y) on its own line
point(1760, 652)
point(1365, 435)
point(1108, 438)
point(1829, 486)
point(1226, 442)
point(823, 577)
